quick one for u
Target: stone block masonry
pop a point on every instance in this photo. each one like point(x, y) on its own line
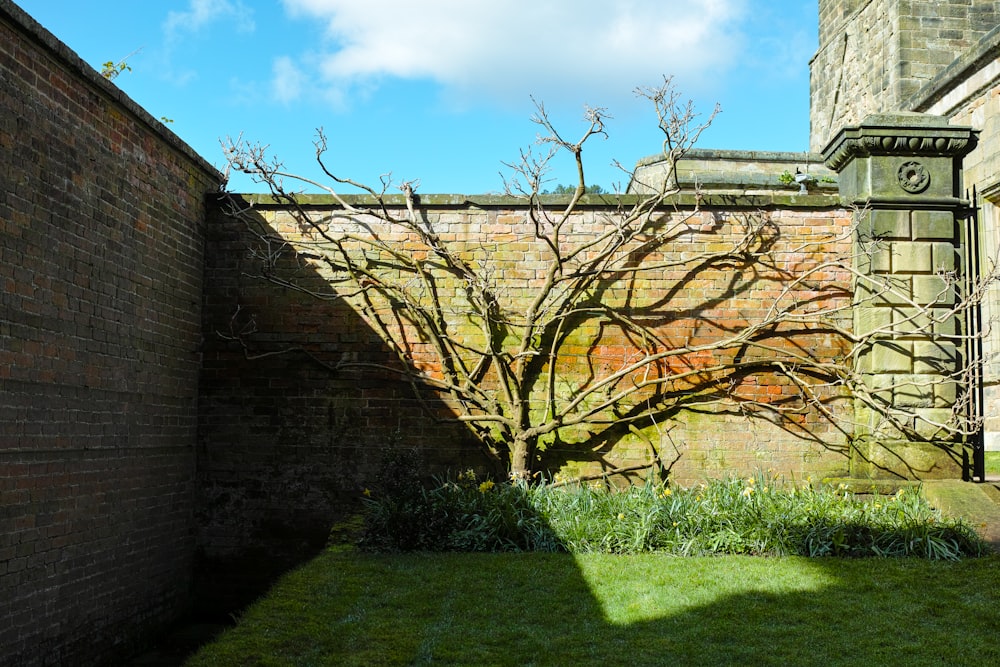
point(900, 170)
point(101, 252)
point(875, 54)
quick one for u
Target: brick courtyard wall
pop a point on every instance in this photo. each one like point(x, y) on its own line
point(101, 250)
point(284, 439)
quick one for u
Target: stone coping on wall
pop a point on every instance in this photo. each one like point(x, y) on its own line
point(22, 21)
point(738, 172)
point(776, 199)
point(965, 78)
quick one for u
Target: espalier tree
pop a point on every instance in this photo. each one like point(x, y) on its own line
point(608, 334)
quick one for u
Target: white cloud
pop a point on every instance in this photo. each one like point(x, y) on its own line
point(200, 13)
point(288, 80)
point(504, 51)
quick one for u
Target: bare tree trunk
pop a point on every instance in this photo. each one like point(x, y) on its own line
point(522, 454)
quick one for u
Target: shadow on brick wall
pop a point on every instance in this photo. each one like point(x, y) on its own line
point(287, 444)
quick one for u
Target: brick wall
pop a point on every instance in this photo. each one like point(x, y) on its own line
point(285, 445)
point(284, 439)
point(101, 250)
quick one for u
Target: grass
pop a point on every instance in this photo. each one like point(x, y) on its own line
point(992, 463)
point(347, 607)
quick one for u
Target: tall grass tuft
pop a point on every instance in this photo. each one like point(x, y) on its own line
point(759, 515)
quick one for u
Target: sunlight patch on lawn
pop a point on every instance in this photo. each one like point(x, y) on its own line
point(633, 589)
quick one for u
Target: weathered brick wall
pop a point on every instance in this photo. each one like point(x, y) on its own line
point(284, 439)
point(101, 250)
point(874, 54)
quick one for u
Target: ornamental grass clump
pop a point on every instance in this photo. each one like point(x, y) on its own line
point(758, 515)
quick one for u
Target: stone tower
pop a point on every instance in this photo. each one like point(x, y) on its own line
point(875, 54)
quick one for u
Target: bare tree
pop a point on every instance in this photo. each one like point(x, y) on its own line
point(581, 347)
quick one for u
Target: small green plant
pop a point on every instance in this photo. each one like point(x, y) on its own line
point(786, 178)
point(111, 69)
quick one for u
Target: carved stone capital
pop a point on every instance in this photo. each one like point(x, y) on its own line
point(904, 134)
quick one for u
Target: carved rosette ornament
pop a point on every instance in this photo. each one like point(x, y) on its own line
point(913, 177)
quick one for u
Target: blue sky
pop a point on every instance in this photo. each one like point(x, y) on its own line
point(440, 90)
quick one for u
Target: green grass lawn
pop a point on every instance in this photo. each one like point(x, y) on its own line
point(352, 608)
point(992, 463)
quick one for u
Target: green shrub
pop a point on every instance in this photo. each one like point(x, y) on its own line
point(462, 515)
point(759, 515)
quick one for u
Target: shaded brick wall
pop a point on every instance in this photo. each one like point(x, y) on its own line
point(285, 445)
point(285, 440)
point(101, 250)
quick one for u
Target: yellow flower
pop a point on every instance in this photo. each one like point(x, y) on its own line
point(675, 524)
point(747, 492)
point(486, 486)
point(367, 493)
point(620, 516)
point(667, 492)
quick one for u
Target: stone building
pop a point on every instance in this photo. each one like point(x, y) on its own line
point(934, 57)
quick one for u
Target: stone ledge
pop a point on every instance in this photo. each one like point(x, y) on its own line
point(826, 200)
point(968, 501)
